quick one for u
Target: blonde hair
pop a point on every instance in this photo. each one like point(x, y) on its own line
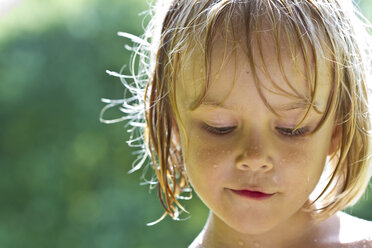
point(327, 29)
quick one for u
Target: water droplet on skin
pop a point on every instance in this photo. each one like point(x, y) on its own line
point(256, 244)
point(241, 243)
point(308, 179)
point(275, 179)
point(315, 240)
point(215, 166)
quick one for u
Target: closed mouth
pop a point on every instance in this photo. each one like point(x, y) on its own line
point(252, 194)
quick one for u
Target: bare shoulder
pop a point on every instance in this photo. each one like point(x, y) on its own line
point(198, 241)
point(355, 232)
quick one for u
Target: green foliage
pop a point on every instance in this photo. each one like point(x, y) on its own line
point(63, 175)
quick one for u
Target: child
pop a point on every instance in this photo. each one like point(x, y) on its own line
point(262, 107)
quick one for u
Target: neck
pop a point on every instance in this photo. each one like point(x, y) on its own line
point(293, 233)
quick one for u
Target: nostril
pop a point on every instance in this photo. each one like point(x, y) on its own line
point(244, 166)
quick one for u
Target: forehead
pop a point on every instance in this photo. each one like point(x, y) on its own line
point(280, 68)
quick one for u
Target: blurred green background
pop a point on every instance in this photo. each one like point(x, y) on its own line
point(63, 175)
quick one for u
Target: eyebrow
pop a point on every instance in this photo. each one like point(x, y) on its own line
point(302, 104)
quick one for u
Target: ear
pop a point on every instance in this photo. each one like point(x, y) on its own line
point(335, 139)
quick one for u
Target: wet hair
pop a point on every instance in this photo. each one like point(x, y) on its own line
point(332, 30)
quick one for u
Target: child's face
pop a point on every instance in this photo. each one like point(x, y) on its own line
point(242, 145)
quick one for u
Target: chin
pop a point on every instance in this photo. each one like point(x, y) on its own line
point(252, 227)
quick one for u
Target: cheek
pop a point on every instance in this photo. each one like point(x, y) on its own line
point(207, 159)
point(203, 147)
point(203, 156)
point(301, 165)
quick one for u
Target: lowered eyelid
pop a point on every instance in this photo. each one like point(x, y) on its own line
point(218, 120)
point(219, 124)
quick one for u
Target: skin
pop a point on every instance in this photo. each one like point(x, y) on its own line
point(257, 152)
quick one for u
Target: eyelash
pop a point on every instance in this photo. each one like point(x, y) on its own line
point(219, 130)
point(292, 132)
point(282, 130)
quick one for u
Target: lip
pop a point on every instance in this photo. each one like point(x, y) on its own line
point(257, 195)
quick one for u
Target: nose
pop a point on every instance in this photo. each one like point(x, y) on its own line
point(255, 159)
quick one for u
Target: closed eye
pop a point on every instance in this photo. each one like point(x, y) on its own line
point(291, 132)
point(219, 130)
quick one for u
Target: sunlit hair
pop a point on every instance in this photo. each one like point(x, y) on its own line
point(331, 30)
